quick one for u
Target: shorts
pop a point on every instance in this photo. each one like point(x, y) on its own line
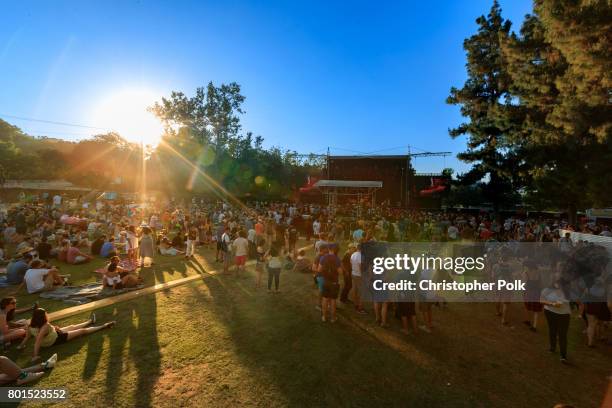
point(240, 260)
point(226, 258)
point(599, 310)
point(62, 337)
point(330, 290)
point(320, 281)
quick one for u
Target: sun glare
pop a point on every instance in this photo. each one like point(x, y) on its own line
point(125, 112)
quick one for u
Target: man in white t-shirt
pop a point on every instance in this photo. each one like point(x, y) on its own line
point(316, 228)
point(57, 200)
point(38, 279)
point(356, 277)
point(225, 249)
point(241, 250)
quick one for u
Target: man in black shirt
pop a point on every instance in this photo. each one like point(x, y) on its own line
point(44, 249)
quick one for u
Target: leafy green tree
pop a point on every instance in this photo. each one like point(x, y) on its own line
point(560, 130)
point(486, 102)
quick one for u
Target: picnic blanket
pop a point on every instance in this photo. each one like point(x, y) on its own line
point(126, 264)
point(78, 295)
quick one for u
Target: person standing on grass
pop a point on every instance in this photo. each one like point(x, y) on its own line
point(318, 277)
point(426, 300)
point(260, 258)
point(356, 279)
point(275, 265)
point(501, 270)
point(47, 335)
point(405, 309)
point(132, 239)
point(292, 237)
point(557, 312)
point(241, 251)
point(225, 248)
point(219, 230)
point(330, 267)
point(146, 246)
point(531, 276)
point(192, 237)
point(346, 273)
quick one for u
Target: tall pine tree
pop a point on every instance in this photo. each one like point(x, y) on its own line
point(563, 130)
point(486, 102)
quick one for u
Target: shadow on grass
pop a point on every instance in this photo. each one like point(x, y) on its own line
point(132, 344)
point(285, 347)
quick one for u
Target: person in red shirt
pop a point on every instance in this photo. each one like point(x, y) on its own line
point(74, 256)
point(259, 227)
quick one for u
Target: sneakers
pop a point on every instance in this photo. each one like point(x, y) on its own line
point(25, 378)
point(50, 363)
point(425, 329)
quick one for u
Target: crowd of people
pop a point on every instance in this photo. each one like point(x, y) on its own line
point(37, 238)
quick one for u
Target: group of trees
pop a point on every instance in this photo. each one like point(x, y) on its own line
point(204, 147)
point(538, 105)
point(203, 151)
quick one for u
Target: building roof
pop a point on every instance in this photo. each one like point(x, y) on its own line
point(374, 157)
point(348, 183)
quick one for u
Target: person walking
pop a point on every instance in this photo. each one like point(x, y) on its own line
point(275, 265)
point(557, 312)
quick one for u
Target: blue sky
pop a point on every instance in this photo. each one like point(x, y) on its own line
point(356, 76)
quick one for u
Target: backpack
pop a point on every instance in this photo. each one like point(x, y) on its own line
point(330, 268)
point(223, 244)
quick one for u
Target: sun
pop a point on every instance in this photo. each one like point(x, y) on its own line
point(125, 112)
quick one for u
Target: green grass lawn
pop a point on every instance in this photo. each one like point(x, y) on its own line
point(221, 342)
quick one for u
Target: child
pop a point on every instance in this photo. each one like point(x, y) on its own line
point(111, 276)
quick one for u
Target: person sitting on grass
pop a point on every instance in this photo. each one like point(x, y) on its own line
point(117, 277)
point(10, 330)
point(302, 264)
point(16, 270)
point(40, 279)
point(47, 335)
point(11, 372)
point(74, 256)
point(96, 246)
point(44, 249)
point(108, 248)
point(166, 249)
